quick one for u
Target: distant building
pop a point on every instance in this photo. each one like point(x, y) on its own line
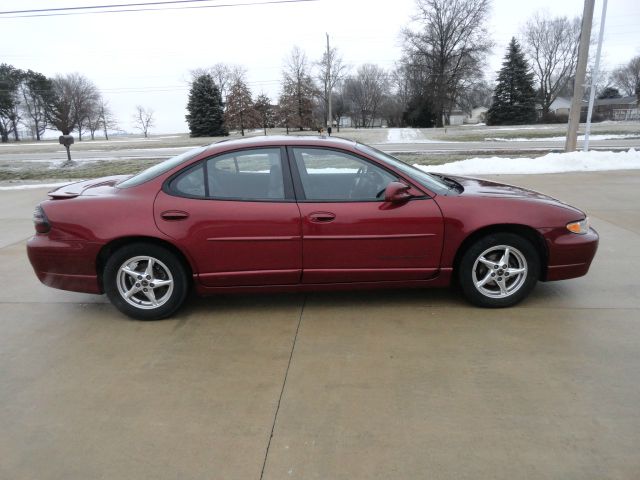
point(560, 106)
point(623, 108)
point(477, 115)
point(456, 117)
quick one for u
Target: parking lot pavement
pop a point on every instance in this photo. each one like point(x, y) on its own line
point(398, 384)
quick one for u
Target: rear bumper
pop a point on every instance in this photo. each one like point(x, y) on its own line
point(570, 255)
point(65, 264)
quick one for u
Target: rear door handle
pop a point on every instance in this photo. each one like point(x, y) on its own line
point(322, 217)
point(173, 215)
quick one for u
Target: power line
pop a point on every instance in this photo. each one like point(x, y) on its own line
point(225, 5)
point(41, 10)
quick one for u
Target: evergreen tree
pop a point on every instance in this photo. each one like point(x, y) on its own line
point(610, 92)
point(206, 116)
point(514, 99)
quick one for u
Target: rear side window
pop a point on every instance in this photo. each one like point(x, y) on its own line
point(191, 182)
point(153, 172)
point(254, 174)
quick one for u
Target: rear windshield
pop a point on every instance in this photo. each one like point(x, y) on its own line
point(423, 178)
point(163, 167)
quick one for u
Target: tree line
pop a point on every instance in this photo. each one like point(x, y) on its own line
point(32, 102)
point(441, 72)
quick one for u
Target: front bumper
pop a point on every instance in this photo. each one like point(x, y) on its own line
point(570, 255)
point(65, 264)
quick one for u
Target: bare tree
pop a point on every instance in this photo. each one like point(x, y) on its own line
point(448, 48)
point(287, 108)
point(338, 105)
point(61, 114)
point(627, 78)
point(143, 119)
point(11, 78)
point(84, 100)
point(298, 89)
point(223, 75)
point(240, 112)
point(94, 118)
point(37, 98)
point(107, 119)
point(265, 111)
point(478, 94)
point(551, 44)
point(365, 92)
point(331, 71)
point(10, 108)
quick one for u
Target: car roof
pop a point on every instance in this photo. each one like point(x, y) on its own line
point(280, 140)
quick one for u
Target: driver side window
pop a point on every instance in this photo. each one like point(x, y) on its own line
point(333, 176)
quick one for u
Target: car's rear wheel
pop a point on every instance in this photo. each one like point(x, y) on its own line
point(145, 281)
point(499, 270)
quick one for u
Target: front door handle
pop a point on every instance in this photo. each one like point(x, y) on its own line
point(173, 215)
point(322, 217)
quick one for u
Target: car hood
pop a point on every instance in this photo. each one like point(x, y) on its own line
point(87, 187)
point(477, 187)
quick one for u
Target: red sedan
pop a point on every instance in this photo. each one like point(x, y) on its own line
point(300, 213)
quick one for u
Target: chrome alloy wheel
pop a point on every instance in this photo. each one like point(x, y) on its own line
point(145, 282)
point(499, 271)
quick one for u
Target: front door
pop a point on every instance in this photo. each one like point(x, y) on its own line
point(350, 234)
point(236, 217)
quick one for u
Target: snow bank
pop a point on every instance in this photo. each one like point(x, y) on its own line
point(592, 161)
point(563, 138)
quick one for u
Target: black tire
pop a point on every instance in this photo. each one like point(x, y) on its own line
point(166, 268)
point(503, 287)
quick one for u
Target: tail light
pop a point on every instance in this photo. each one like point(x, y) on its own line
point(40, 220)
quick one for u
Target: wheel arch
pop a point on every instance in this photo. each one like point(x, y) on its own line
point(524, 231)
point(107, 250)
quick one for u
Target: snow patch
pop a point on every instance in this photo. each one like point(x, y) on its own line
point(593, 161)
point(409, 135)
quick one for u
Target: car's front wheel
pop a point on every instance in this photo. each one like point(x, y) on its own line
point(145, 281)
point(499, 270)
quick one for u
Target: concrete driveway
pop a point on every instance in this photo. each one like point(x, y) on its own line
point(384, 385)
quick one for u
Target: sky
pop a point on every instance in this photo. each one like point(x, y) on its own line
point(144, 58)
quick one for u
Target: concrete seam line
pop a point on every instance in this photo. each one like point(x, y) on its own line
point(284, 383)
point(17, 242)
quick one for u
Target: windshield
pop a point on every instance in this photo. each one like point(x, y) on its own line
point(160, 168)
point(423, 178)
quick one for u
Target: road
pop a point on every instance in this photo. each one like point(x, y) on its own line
point(96, 154)
point(384, 385)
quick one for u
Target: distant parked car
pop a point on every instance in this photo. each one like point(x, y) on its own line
point(300, 213)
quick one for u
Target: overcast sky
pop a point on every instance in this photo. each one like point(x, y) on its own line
point(144, 57)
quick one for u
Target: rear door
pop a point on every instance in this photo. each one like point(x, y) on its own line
point(236, 216)
point(349, 233)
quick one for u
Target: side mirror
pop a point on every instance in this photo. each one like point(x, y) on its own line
point(397, 192)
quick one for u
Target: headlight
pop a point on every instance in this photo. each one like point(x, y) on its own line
point(580, 227)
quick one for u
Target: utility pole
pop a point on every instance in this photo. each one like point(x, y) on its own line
point(581, 70)
point(329, 117)
point(594, 77)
